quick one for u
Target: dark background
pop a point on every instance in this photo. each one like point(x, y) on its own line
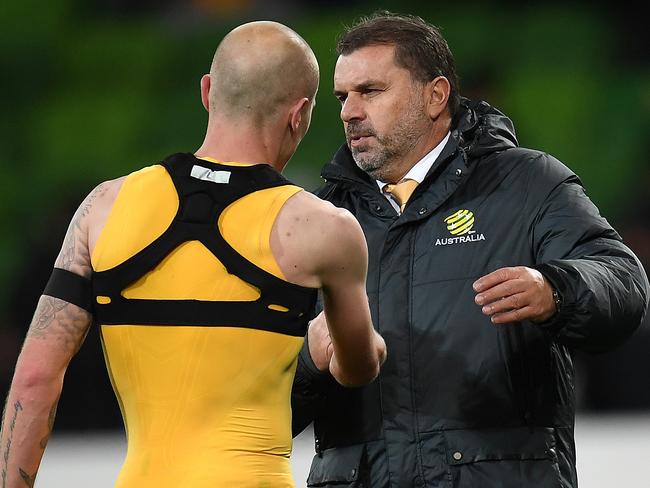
point(92, 90)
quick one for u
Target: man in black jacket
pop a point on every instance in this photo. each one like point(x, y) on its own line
point(488, 267)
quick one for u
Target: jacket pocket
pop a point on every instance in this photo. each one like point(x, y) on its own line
point(338, 465)
point(503, 458)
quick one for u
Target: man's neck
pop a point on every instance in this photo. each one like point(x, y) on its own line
point(240, 143)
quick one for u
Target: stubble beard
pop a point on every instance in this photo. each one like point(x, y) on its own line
point(374, 161)
point(382, 159)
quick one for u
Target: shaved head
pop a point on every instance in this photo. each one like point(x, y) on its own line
point(260, 68)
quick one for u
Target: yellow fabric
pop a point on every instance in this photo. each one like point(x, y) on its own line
point(402, 191)
point(203, 406)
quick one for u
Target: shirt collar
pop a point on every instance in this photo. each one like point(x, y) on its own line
point(419, 171)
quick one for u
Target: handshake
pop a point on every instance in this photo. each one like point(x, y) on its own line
point(327, 358)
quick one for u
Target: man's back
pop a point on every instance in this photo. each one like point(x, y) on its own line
point(203, 405)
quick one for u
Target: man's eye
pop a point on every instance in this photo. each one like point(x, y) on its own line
point(341, 98)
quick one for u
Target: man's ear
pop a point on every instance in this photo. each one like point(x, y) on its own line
point(205, 91)
point(297, 114)
point(437, 96)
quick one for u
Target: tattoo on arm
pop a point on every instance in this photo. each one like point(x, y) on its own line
point(74, 255)
point(54, 317)
point(18, 407)
point(50, 424)
point(29, 480)
point(64, 321)
point(45, 313)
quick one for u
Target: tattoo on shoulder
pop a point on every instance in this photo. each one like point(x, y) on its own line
point(87, 204)
point(55, 317)
point(74, 255)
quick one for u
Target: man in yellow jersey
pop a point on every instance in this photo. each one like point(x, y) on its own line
point(202, 272)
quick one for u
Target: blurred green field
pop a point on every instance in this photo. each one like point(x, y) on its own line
point(91, 93)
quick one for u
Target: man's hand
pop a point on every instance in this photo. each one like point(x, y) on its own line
point(320, 343)
point(515, 294)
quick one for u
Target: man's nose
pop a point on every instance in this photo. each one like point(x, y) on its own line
point(352, 109)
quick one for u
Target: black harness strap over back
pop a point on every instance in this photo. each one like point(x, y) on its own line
point(205, 189)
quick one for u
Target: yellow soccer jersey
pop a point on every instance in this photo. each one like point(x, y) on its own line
point(202, 406)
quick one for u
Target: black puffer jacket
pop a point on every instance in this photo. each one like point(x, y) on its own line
point(461, 402)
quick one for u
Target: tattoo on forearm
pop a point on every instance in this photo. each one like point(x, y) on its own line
point(7, 451)
point(29, 480)
point(50, 424)
point(55, 317)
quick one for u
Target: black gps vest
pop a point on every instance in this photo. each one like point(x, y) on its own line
point(205, 189)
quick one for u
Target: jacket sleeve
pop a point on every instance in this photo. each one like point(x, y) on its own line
point(308, 392)
point(602, 284)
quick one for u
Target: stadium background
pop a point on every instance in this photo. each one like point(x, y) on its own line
point(92, 90)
